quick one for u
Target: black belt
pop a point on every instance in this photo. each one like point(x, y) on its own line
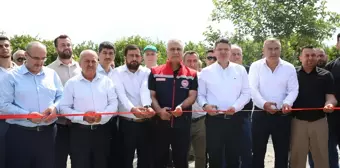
point(134, 119)
point(90, 127)
point(37, 128)
point(193, 120)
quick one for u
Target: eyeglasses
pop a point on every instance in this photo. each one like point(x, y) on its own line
point(21, 59)
point(211, 58)
point(37, 58)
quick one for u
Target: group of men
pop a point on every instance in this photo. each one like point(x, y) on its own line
point(225, 111)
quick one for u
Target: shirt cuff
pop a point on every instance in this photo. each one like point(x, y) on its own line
point(287, 102)
point(78, 118)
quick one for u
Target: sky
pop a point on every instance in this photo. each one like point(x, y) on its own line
point(102, 20)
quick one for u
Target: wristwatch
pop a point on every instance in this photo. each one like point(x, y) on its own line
point(147, 106)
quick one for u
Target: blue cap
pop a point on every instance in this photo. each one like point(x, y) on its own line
point(150, 47)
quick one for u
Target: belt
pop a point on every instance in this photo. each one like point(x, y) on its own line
point(37, 128)
point(90, 127)
point(134, 119)
point(193, 120)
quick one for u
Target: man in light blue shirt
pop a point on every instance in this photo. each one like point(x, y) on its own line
point(31, 89)
point(5, 66)
point(106, 55)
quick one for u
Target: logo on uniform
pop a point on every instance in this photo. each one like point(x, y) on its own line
point(185, 83)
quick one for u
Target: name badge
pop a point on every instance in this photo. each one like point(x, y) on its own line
point(160, 79)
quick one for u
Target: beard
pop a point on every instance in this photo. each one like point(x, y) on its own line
point(66, 54)
point(322, 64)
point(134, 65)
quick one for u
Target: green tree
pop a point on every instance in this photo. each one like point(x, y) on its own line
point(295, 22)
point(78, 48)
point(141, 42)
point(200, 48)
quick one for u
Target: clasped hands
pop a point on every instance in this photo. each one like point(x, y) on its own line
point(212, 110)
point(143, 112)
point(47, 116)
point(165, 113)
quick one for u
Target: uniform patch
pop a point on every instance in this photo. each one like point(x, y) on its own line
point(160, 79)
point(185, 83)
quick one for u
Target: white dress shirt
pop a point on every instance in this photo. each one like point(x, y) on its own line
point(197, 107)
point(81, 95)
point(135, 88)
point(280, 86)
point(224, 88)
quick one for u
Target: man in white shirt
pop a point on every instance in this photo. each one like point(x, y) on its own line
point(223, 91)
point(134, 127)
point(6, 65)
point(90, 93)
point(274, 88)
point(66, 68)
point(244, 115)
point(107, 52)
point(198, 140)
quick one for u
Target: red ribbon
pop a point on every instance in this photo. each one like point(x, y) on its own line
point(25, 116)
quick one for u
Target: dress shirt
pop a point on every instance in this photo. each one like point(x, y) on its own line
point(4, 72)
point(23, 92)
point(81, 95)
point(224, 88)
point(65, 71)
point(135, 88)
point(197, 107)
point(101, 70)
point(280, 86)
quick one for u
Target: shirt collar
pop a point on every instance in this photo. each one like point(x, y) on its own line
point(315, 70)
point(13, 66)
point(168, 64)
point(126, 69)
point(73, 62)
point(264, 60)
point(97, 77)
point(101, 69)
point(23, 70)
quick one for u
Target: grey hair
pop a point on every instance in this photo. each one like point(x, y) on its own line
point(175, 41)
point(16, 53)
point(236, 46)
point(271, 40)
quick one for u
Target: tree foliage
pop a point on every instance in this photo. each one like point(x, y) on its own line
point(295, 22)
point(21, 41)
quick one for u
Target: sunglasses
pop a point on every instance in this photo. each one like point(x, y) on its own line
point(21, 59)
point(211, 58)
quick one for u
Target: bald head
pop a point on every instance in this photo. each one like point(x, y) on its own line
point(87, 53)
point(36, 55)
point(35, 45)
point(88, 62)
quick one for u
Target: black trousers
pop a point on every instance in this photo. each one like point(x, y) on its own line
point(223, 141)
point(30, 148)
point(135, 136)
point(278, 126)
point(3, 131)
point(62, 145)
point(178, 137)
point(90, 146)
point(115, 155)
